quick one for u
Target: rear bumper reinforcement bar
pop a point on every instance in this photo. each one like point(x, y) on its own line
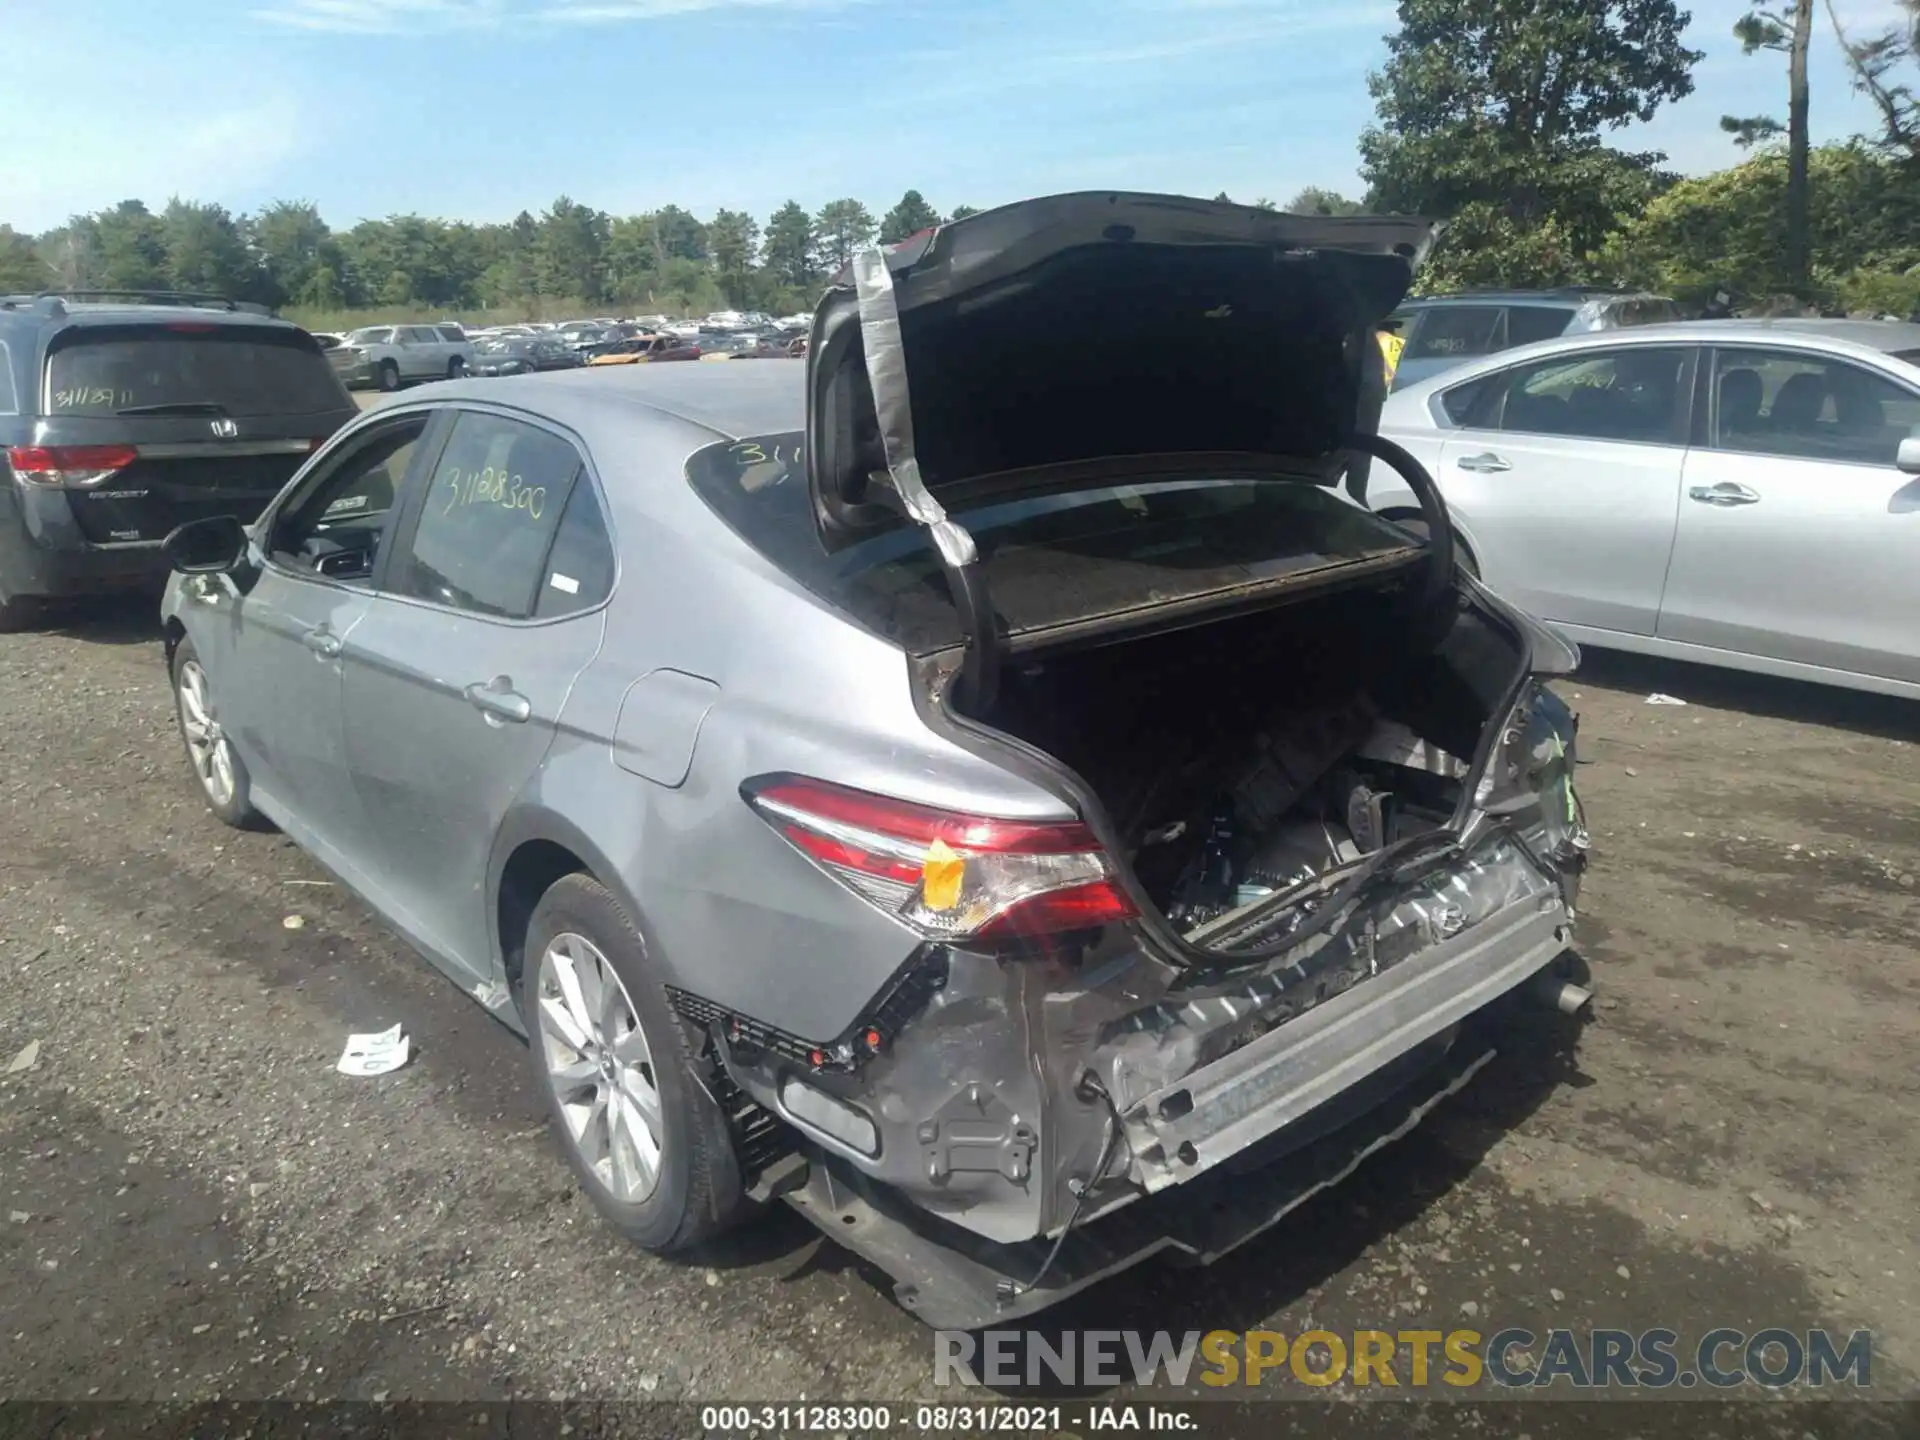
point(1184, 1129)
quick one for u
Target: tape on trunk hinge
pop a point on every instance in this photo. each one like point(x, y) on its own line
point(886, 360)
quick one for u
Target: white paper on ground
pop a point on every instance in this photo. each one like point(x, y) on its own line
point(379, 1054)
point(1658, 699)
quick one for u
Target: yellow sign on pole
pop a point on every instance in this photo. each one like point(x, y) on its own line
point(1390, 346)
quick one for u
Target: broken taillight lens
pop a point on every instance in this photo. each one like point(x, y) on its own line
point(74, 467)
point(945, 874)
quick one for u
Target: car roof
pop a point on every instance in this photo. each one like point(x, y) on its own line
point(1885, 336)
point(728, 401)
point(123, 313)
point(1572, 295)
point(1860, 339)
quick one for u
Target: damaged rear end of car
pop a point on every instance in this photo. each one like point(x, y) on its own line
point(1316, 803)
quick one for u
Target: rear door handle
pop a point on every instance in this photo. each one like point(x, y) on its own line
point(1726, 493)
point(498, 701)
point(323, 642)
point(1483, 464)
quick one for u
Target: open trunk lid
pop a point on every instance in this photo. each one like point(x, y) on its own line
point(1064, 344)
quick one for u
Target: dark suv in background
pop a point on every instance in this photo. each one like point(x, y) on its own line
point(123, 414)
point(1443, 330)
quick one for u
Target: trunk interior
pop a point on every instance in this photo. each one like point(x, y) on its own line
point(1246, 756)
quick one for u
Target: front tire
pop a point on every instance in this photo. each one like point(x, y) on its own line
point(387, 377)
point(619, 1073)
point(222, 775)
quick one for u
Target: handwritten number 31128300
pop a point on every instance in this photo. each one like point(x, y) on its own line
point(492, 487)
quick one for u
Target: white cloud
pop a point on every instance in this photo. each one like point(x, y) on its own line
point(122, 151)
point(389, 17)
point(1094, 61)
point(381, 17)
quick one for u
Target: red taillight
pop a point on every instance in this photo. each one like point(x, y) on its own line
point(73, 466)
point(948, 875)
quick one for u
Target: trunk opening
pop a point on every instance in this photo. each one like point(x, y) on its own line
point(1240, 759)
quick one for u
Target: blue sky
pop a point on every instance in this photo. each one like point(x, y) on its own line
point(476, 109)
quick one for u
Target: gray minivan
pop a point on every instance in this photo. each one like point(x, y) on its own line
point(1443, 330)
point(124, 414)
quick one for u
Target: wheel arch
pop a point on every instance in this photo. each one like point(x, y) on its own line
point(533, 850)
point(172, 632)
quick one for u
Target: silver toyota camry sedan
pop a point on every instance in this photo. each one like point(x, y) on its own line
point(1743, 493)
point(994, 787)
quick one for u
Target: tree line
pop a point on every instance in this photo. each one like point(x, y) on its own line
point(1493, 115)
point(287, 255)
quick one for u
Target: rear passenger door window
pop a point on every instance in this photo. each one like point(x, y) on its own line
point(1809, 407)
point(1630, 394)
point(578, 574)
point(488, 518)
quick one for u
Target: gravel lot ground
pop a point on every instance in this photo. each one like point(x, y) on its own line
point(198, 1205)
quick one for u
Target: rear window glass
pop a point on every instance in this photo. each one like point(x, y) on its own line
point(1528, 323)
point(1048, 559)
point(1455, 331)
point(222, 370)
point(1912, 357)
point(1645, 312)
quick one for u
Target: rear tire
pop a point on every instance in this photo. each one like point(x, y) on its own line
point(387, 377)
point(217, 766)
point(456, 367)
point(620, 1075)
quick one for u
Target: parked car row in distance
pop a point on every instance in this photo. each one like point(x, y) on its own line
point(386, 357)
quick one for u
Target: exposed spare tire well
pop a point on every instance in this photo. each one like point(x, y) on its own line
point(1254, 752)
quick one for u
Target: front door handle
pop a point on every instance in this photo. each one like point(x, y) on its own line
point(1487, 463)
point(323, 642)
point(1725, 494)
point(498, 700)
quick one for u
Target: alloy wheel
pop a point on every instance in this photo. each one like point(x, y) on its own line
point(207, 744)
point(599, 1066)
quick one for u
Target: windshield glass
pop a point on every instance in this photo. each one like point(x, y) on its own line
point(372, 335)
point(1049, 559)
point(226, 370)
point(499, 347)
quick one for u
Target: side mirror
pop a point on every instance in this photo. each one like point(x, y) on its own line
point(214, 546)
point(1907, 459)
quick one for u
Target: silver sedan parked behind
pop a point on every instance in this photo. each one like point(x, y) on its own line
point(1738, 493)
point(1027, 824)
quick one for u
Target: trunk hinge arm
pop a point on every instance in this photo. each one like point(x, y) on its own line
point(880, 342)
